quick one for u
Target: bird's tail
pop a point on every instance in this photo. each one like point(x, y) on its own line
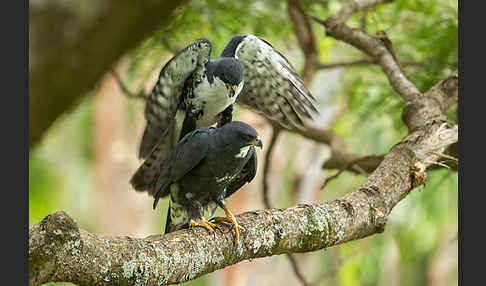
point(147, 144)
point(168, 224)
point(144, 177)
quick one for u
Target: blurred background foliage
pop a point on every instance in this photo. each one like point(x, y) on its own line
point(419, 245)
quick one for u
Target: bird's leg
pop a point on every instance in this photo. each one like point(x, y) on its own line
point(226, 116)
point(195, 212)
point(230, 218)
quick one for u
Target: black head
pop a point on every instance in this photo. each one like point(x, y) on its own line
point(230, 49)
point(239, 134)
point(229, 70)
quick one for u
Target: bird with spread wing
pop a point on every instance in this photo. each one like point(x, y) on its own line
point(194, 91)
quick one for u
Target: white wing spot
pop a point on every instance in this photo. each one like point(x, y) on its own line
point(243, 152)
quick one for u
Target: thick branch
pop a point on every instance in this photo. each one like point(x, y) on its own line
point(434, 104)
point(378, 48)
point(60, 251)
point(419, 110)
point(417, 113)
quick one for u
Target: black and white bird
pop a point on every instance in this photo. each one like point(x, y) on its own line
point(205, 167)
point(194, 91)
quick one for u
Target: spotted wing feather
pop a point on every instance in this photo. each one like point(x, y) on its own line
point(166, 95)
point(272, 86)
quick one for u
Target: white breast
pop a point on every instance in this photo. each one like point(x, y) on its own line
point(215, 99)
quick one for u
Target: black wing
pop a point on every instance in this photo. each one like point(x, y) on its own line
point(272, 86)
point(157, 166)
point(166, 95)
point(186, 155)
point(245, 176)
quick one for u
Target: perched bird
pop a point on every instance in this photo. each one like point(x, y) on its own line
point(194, 91)
point(205, 167)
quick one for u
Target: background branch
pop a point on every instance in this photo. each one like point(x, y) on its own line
point(362, 62)
point(375, 47)
point(68, 51)
point(305, 36)
point(275, 133)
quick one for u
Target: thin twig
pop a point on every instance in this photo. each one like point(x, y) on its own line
point(445, 156)
point(125, 90)
point(305, 37)
point(362, 62)
point(275, 132)
point(296, 269)
point(348, 166)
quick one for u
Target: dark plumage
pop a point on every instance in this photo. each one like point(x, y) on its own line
point(204, 168)
point(194, 91)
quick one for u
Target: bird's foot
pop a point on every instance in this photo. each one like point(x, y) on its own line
point(232, 220)
point(204, 223)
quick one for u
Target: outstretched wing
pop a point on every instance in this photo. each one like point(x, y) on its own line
point(272, 86)
point(167, 93)
point(186, 155)
point(245, 176)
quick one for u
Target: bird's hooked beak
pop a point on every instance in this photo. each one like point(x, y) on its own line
point(231, 89)
point(257, 142)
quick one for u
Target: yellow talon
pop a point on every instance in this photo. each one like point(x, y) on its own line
point(206, 224)
point(230, 218)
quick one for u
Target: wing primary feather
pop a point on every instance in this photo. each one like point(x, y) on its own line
point(166, 96)
point(293, 116)
point(299, 106)
point(305, 104)
point(281, 86)
point(301, 88)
